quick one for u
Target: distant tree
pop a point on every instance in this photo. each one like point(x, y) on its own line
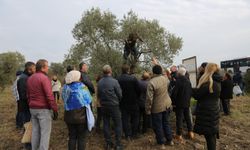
point(10, 62)
point(101, 36)
point(57, 69)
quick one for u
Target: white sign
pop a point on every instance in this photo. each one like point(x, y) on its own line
point(191, 66)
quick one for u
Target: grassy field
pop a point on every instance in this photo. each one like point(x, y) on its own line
point(234, 130)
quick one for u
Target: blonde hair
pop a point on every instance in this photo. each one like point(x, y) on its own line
point(210, 69)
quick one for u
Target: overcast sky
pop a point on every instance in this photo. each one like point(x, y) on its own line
point(212, 30)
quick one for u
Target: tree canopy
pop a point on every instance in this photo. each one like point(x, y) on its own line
point(10, 62)
point(100, 35)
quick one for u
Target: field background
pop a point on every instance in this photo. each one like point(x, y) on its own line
point(234, 130)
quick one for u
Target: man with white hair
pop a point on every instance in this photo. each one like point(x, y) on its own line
point(181, 102)
point(110, 95)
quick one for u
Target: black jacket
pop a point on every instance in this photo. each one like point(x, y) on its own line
point(130, 90)
point(143, 90)
point(226, 89)
point(22, 91)
point(86, 80)
point(109, 91)
point(207, 110)
point(182, 92)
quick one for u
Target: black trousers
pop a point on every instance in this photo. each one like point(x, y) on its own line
point(130, 122)
point(99, 118)
point(211, 141)
point(114, 113)
point(226, 106)
point(183, 113)
point(144, 120)
point(56, 95)
point(77, 136)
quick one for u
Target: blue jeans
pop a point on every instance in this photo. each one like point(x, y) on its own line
point(161, 126)
point(114, 113)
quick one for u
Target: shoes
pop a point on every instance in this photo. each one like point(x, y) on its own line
point(109, 146)
point(119, 147)
point(179, 139)
point(191, 135)
point(170, 143)
point(162, 147)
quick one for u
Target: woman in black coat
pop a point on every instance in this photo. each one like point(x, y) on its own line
point(226, 93)
point(207, 95)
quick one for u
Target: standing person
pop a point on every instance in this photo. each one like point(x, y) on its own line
point(226, 93)
point(129, 103)
point(83, 68)
point(56, 86)
point(98, 108)
point(238, 80)
point(143, 83)
point(158, 105)
point(76, 97)
point(110, 95)
point(207, 95)
point(182, 96)
point(23, 106)
point(41, 102)
point(16, 96)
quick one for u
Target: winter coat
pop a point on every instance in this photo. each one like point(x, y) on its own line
point(75, 96)
point(22, 91)
point(182, 92)
point(39, 92)
point(109, 91)
point(130, 91)
point(207, 110)
point(157, 99)
point(86, 80)
point(56, 85)
point(143, 90)
point(226, 89)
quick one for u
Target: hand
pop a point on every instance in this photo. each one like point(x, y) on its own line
point(55, 115)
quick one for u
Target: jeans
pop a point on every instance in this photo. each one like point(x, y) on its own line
point(112, 112)
point(41, 128)
point(161, 126)
point(99, 117)
point(77, 135)
point(183, 113)
point(130, 122)
point(226, 106)
point(211, 142)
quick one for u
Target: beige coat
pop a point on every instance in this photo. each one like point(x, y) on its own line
point(157, 99)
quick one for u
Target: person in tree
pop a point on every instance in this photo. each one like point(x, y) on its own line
point(130, 45)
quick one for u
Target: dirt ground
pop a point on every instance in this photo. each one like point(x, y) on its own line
point(234, 130)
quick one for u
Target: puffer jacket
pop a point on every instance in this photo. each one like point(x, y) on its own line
point(207, 110)
point(75, 96)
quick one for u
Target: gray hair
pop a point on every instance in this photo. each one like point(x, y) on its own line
point(106, 69)
point(182, 71)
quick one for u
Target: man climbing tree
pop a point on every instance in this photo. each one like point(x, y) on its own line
point(130, 46)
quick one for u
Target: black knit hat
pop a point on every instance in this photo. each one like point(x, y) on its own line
point(204, 64)
point(157, 69)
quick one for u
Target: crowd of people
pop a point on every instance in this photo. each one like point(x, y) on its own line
point(134, 105)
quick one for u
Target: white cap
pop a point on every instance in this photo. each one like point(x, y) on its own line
point(72, 76)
